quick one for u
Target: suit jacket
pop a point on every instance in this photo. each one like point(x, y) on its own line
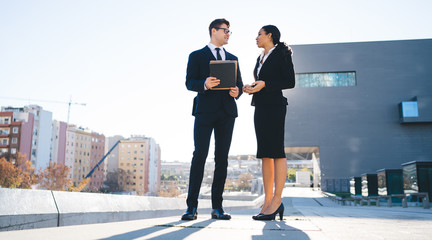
point(208, 101)
point(278, 73)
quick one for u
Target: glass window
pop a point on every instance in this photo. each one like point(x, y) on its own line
point(4, 131)
point(15, 130)
point(410, 109)
point(330, 79)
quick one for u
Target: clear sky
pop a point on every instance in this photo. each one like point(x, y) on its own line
point(127, 59)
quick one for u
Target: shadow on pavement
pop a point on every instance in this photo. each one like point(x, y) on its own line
point(181, 232)
point(280, 230)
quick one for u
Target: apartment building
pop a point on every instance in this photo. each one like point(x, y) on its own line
point(70, 149)
point(82, 151)
point(139, 165)
point(111, 161)
point(15, 135)
point(154, 173)
point(58, 142)
point(41, 137)
point(96, 154)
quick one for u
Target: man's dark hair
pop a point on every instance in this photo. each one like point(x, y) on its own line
point(217, 23)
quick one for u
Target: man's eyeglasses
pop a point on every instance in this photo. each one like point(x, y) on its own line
point(226, 30)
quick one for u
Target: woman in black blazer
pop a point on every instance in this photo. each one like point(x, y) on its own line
point(273, 72)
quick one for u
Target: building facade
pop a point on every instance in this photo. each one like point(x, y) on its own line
point(154, 173)
point(136, 171)
point(360, 107)
point(58, 142)
point(111, 161)
point(15, 135)
point(97, 153)
point(82, 148)
point(41, 138)
point(70, 149)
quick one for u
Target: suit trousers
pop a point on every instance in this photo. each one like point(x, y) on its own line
point(222, 125)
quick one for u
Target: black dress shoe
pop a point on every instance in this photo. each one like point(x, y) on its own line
point(190, 214)
point(220, 214)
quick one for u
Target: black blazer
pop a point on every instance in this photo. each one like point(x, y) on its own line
point(278, 73)
point(198, 70)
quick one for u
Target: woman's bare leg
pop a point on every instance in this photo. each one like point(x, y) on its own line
point(268, 167)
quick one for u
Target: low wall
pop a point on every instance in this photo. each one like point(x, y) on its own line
point(22, 209)
point(26, 209)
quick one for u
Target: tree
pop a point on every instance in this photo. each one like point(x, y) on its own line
point(27, 172)
point(9, 174)
point(112, 183)
point(55, 177)
point(18, 175)
point(116, 180)
point(292, 174)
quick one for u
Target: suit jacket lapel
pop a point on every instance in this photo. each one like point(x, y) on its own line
point(209, 53)
point(228, 56)
point(256, 70)
point(269, 58)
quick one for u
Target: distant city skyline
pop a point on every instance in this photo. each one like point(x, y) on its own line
point(127, 60)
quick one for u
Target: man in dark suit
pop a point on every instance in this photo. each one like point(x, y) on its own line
point(214, 110)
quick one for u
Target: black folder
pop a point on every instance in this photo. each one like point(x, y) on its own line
point(226, 72)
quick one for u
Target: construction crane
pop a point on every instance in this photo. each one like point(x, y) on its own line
point(87, 178)
point(70, 103)
point(49, 101)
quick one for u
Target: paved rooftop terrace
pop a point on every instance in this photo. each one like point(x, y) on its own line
point(308, 215)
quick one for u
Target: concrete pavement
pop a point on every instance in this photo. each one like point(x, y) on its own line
point(308, 215)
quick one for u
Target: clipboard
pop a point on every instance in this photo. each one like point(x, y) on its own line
point(226, 72)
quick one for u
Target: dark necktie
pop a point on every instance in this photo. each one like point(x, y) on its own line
point(218, 56)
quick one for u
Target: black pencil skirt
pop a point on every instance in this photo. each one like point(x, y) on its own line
point(270, 130)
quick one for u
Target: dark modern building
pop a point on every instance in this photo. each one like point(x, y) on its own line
point(360, 107)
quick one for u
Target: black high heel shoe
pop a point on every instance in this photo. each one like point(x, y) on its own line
point(272, 216)
point(255, 216)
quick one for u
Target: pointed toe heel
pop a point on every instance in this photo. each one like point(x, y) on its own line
point(272, 216)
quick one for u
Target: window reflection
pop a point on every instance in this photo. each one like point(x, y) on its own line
point(330, 79)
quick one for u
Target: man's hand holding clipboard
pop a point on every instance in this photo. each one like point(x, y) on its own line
point(223, 77)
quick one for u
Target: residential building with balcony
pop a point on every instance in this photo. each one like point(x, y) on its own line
point(15, 135)
point(41, 137)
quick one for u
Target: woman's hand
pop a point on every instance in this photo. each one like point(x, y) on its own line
point(246, 88)
point(255, 87)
